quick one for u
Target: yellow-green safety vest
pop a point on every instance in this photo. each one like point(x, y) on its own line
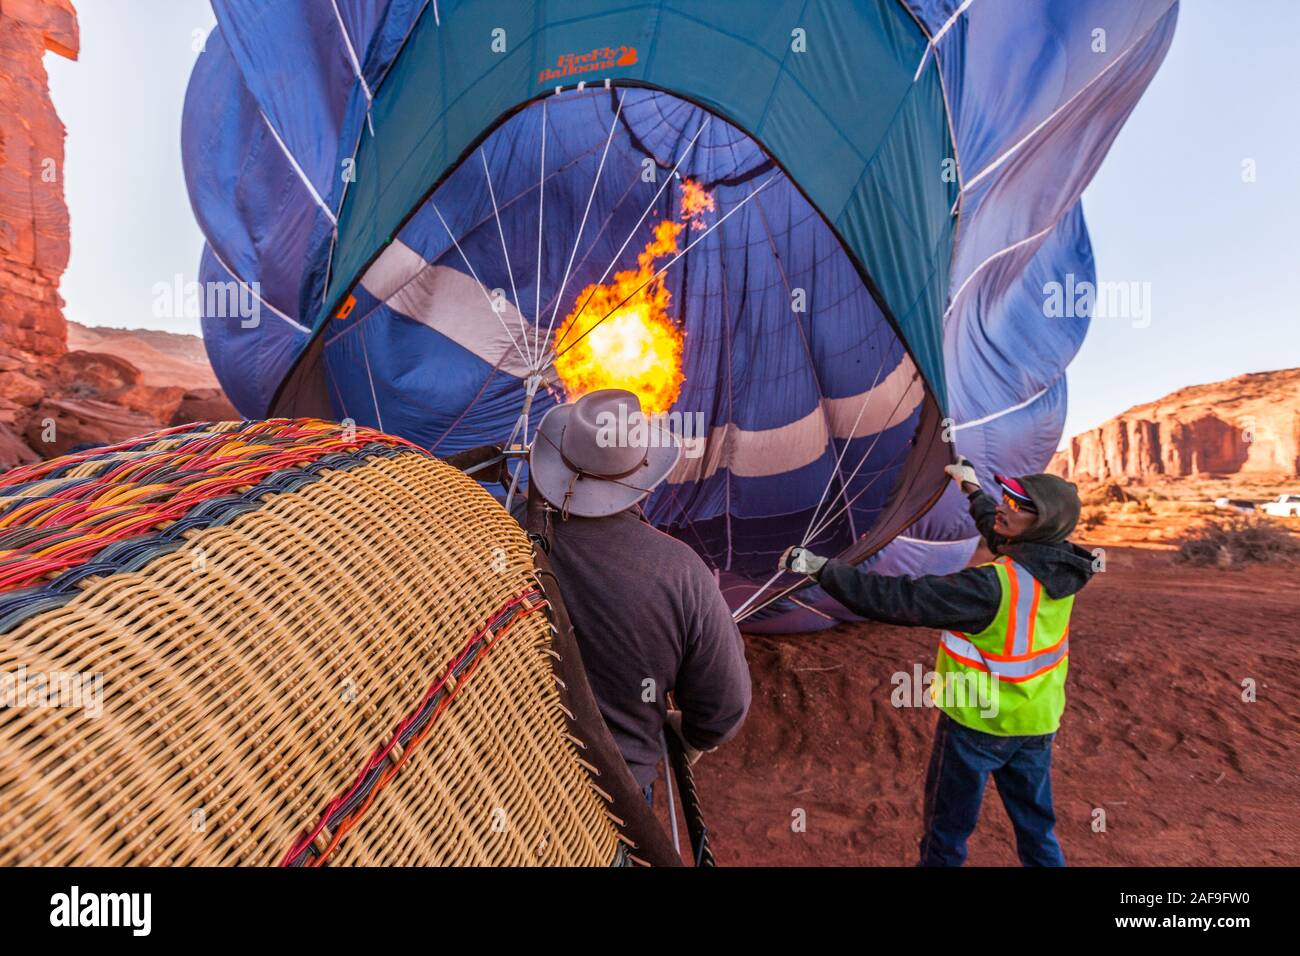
point(1009, 679)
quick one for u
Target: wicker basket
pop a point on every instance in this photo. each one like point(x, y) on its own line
point(279, 642)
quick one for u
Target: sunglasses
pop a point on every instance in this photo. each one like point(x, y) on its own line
point(1015, 505)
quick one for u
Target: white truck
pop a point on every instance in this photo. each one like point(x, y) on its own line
point(1283, 506)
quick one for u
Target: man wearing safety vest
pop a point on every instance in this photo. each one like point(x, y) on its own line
point(1003, 656)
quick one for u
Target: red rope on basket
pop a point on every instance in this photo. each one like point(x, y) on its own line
point(530, 601)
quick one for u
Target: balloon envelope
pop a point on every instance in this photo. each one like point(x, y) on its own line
point(424, 193)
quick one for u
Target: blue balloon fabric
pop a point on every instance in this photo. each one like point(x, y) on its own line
point(418, 203)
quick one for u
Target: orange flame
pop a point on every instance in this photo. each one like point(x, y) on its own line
point(633, 344)
point(695, 202)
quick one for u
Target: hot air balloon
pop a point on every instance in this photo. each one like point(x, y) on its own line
point(816, 236)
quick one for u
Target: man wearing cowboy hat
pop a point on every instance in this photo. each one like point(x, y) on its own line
point(999, 682)
point(646, 610)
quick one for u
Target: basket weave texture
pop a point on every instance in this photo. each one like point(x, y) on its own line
point(335, 652)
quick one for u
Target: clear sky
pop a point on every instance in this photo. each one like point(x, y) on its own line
point(1169, 207)
point(121, 103)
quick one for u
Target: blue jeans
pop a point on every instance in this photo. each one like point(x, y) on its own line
point(960, 764)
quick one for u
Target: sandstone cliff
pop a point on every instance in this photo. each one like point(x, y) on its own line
point(63, 385)
point(1245, 425)
point(33, 217)
point(113, 384)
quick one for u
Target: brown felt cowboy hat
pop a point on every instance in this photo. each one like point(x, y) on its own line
point(600, 455)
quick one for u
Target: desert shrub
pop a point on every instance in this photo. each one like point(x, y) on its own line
point(1104, 494)
point(1233, 541)
point(1091, 517)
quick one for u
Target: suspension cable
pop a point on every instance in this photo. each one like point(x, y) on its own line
point(577, 240)
point(836, 473)
point(486, 295)
point(496, 212)
point(632, 232)
point(541, 212)
point(704, 235)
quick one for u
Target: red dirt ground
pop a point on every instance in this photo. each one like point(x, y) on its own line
point(1155, 732)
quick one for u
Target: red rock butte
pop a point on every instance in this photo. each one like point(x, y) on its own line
point(33, 217)
point(112, 384)
point(1248, 425)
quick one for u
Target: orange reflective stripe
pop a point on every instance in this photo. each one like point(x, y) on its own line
point(1033, 615)
point(978, 665)
point(1042, 670)
point(1025, 657)
point(1004, 667)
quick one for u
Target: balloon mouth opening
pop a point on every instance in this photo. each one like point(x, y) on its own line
point(630, 238)
point(623, 331)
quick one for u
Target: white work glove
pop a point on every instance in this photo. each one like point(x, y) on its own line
point(675, 722)
point(801, 561)
point(964, 474)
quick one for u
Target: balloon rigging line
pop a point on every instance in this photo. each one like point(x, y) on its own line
point(632, 232)
point(884, 428)
point(533, 381)
point(506, 251)
point(541, 211)
point(812, 365)
point(365, 353)
point(491, 305)
point(836, 473)
point(591, 246)
point(668, 785)
point(748, 608)
point(521, 423)
point(613, 212)
point(737, 616)
point(509, 204)
point(577, 240)
point(672, 498)
point(808, 607)
point(704, 235)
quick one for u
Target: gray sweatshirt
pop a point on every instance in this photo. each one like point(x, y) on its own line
point(649, 619)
